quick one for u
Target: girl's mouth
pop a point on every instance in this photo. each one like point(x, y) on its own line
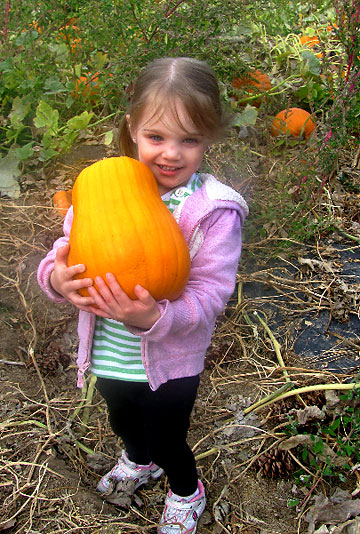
point(166, 169)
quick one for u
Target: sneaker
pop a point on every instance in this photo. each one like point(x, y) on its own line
point(181, 517)
point(127, 470)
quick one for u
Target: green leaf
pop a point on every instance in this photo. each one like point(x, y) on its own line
point(293, 502)
point(19, 111)
point(80, 122)
point(109, 136)
point(9, 173)
point(47, 117)
point(25, 152)
point(60, 52)
point(311, 62)
point(99, 60)
point(53, 86)
point(246, 118)
point(47, 153)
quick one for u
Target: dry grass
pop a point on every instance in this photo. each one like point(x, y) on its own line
point(55, 440)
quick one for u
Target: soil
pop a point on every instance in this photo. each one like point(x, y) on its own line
point(55, 444)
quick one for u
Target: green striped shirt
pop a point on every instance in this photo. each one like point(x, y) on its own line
point(116, 352)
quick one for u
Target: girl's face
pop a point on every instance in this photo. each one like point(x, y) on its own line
point(171, 152)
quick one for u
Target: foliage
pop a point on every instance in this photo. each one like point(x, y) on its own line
point(49, 47)
point(327, 448)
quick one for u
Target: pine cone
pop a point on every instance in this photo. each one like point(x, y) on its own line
point(275, 464)
point(52, 358)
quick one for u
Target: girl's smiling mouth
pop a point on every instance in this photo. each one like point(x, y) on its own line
point(168, 169)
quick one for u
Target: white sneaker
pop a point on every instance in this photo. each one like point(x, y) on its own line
point(125, 469)
point(181, 517)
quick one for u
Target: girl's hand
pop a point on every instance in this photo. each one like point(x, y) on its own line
point(112, 302)
point(62, 280)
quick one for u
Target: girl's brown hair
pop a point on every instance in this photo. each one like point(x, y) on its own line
point(164, 82)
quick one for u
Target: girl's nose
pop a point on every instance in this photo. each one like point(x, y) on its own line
point(171, 151)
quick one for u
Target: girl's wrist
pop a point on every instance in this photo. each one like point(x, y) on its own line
point(53, 283)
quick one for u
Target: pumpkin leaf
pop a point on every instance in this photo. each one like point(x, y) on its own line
point(246, 118)
point(80, 122)
point(47, 117)
point(25, 152)
point(311, 62)
point(18, 111)
point(59, 51)
point(9, 173)
point(54, 86)
point(109, 136)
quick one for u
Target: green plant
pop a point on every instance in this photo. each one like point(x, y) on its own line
point(328, 447)
point(48, 47)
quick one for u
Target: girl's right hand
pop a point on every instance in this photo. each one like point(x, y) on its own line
point(63, 282)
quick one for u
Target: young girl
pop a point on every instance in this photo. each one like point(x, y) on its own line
point(148, 355)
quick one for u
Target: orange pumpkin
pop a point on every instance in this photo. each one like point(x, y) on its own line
point(87, 86)
point(62, 202)
point(311, 42)
point(293, 121)
point(253, 82)
point(122, 226)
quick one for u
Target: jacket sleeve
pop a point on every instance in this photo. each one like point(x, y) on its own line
point(46, 266)
point(211, 283)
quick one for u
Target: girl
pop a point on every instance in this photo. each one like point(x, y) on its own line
point(148, 355)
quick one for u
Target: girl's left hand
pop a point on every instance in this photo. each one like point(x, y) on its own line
point(113, 303)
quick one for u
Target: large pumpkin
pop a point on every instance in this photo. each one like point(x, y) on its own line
point(122, 226)
point(253, 82)
point(293, 121)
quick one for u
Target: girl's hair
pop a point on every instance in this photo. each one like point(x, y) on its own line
point(162, 84)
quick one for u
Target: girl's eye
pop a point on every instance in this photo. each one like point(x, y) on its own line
point(190, 140)
point(156, 138)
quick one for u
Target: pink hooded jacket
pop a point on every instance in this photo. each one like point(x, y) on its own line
point(175, 346)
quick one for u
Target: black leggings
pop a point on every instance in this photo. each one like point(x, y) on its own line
point(153, 425)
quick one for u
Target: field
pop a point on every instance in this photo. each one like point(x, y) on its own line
point(276, 426)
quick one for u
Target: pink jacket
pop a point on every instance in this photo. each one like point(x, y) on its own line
point(175, 346)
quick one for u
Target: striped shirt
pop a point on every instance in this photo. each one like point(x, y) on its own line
point(116, 353)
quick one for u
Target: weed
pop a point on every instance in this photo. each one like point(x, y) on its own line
point(328, 448)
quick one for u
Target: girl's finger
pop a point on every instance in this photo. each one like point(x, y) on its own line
point(143, 294)
point(99, 298)
point(62, 252)
point(115, 287)
point(76, 269)
point(83, 301)
point(81, 284)
point(112, 293)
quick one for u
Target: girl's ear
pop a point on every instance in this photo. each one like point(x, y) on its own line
point(129, 127)
point(128, 121)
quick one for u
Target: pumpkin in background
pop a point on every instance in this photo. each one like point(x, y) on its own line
point(293, 121)
point(122, 226)
point(311, 41)
point(87, 86)
point(253, 82)
point(62, 202)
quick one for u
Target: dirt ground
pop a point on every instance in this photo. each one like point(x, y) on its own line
point(56, 441)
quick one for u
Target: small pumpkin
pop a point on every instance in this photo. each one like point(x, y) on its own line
point(87, 86)
point(293, 121)
point(253, 82)
point(311, 41)
point(62, 202)
point(122, 226)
